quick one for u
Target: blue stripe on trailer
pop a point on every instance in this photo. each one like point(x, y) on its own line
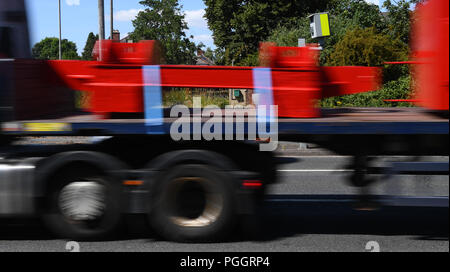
point(153, 103)
point(263, 89)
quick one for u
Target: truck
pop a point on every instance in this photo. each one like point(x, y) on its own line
point(194, 178)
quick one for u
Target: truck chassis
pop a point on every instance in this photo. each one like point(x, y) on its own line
point(190, 190)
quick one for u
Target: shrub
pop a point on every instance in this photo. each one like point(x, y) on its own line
point(366, 47)
point(185, 97)
point(398, 89)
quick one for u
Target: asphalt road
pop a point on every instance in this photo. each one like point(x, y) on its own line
point(311, 209)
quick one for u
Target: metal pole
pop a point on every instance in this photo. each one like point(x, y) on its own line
point(60, 35)
point(112, 19)
point(101, 23)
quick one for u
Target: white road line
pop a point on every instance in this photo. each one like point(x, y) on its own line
point(441, 202)
point(316, 157)
point(349, 157)
point(312, 200)
point(314, 170)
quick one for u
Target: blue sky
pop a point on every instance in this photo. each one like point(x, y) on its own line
point(79, 17)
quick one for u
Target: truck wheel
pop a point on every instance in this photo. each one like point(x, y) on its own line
point(193, 203)
point(83, 207)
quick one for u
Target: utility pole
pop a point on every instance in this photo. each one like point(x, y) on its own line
point(112, 19)
point(101, 24)
point(60, 33)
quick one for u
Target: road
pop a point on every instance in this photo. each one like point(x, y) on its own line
point(309, 210)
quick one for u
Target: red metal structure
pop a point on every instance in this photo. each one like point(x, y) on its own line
point(141, 169)
point(298, 82)
point(430, 55)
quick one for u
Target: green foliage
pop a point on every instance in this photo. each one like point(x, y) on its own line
point(399, 18)
point(185, 97)
point(361, 35)
point(210, 54)
point(89, 47)
point(350, 14)
point(344, 15)
point(252, 59)
point(164, 21)
point(176, 97)
point(48, 49)
point(398, 89)
point(357, 13)
point(288, 34)
point(366, 47)
point(239, 26)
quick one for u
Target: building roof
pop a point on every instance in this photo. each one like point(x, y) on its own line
point(203, 60)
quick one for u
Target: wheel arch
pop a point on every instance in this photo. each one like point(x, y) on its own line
point(164, 161)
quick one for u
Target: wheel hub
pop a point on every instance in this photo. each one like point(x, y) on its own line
point(83, 201)
point(194, 202)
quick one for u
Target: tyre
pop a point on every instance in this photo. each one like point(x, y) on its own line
point(83, 205)
point(193, 203)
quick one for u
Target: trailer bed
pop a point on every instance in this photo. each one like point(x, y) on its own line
point(366, 121)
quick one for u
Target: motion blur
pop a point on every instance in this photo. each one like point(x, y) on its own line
point(199, 186)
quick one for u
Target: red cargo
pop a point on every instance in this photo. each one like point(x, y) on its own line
point(298, 83)
point(431, 54)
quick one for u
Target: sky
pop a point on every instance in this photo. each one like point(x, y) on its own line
point(79, 17)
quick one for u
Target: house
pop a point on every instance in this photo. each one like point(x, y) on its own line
point(202, 59)
point(126, 39)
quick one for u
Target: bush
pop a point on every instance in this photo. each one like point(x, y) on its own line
point(185, 97)
point(366, 47)
point(398, 89)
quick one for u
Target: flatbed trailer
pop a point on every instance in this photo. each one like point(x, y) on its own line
point(344, 121)
point(370, 127)
point(136, 161)
point(194, 188)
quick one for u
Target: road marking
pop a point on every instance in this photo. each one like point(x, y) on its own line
point(314, 170)
point(316, 157)
point(311, 200)
point(349, 157)
point(436, 202)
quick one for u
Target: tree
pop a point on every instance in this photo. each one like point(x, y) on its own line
point(399, 18)
point(288, 35)
point(366, 47)
point(48, 49)
point(164, 21)
point(343, 14)
point(357, 13)
point(361, 35)
point(209, 53)
point(239, 26)
point(89, 47)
